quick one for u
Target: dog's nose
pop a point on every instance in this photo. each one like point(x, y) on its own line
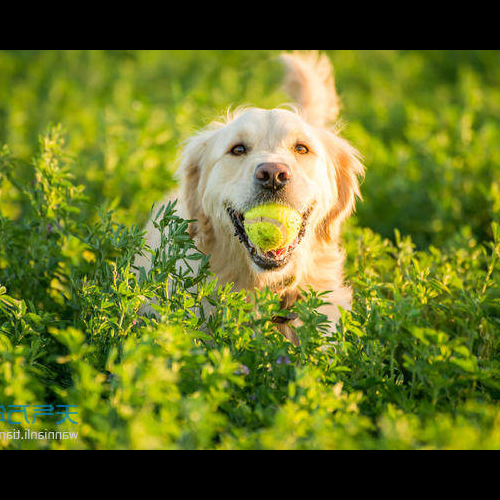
point(272, 176)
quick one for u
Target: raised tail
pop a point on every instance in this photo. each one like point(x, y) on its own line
point(310, 82)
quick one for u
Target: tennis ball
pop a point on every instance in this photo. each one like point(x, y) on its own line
point(272, 226)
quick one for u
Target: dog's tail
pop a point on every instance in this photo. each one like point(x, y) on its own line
point(309, 81)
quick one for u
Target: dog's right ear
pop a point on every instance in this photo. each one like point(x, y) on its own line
point(191, 189)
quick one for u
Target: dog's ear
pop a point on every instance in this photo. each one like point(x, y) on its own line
point(345, 168)
point(191, 189)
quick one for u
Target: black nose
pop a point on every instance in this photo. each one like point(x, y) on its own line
point(272, 176)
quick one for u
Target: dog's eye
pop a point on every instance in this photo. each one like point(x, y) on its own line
point(238, 150)
point(301, 149)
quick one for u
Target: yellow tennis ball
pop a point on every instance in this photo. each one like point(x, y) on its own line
point(272, 226)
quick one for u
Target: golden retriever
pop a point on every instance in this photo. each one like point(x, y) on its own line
point(293, 156)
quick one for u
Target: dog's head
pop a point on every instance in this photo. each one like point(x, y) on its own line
point(280, 155)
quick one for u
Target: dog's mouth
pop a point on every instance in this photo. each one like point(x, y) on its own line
point(272, 259)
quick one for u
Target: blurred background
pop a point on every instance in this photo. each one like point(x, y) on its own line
point(426, 122)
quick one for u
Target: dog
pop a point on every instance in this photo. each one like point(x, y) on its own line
point(292, 155)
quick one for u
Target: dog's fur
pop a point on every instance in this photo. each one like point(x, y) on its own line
point(326, 179)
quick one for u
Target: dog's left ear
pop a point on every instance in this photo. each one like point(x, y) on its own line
point(345, 168)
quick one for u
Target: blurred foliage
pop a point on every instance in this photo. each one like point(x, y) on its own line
point(414, 365)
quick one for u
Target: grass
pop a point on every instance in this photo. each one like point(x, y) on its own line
point(91, 140)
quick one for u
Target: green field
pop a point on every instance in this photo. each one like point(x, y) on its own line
point(89, 140)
